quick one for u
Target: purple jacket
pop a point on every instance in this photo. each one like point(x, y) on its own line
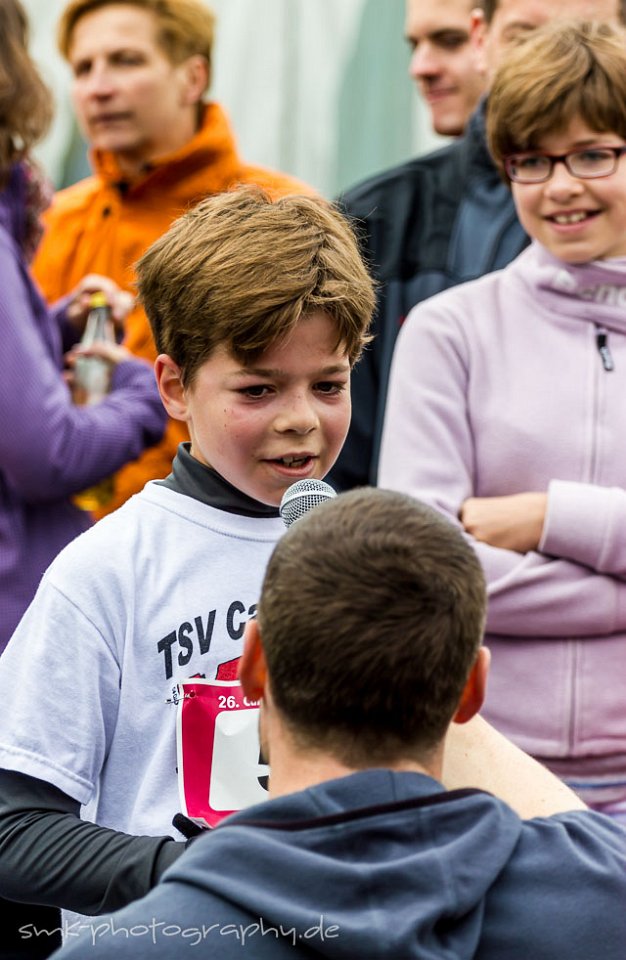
point(499, 386)
point(50, 449)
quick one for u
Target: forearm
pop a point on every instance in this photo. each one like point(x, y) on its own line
point(431, 451)
point(49, 855)
point(476, 755)
point(586, 523)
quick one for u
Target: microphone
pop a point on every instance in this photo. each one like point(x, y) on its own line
point(301, 497)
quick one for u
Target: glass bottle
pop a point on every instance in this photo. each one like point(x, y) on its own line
point(92, 382)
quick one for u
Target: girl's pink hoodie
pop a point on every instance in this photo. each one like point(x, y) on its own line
point(511, 383)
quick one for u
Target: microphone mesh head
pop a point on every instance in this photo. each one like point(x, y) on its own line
point(301, 497)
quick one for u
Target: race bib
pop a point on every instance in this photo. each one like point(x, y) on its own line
point(219, 762)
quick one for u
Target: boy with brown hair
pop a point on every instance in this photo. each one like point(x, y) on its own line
point(141, 71)
point(262, 308)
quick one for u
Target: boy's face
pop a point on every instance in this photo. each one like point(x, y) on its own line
point(280, 419)
point(576, 219)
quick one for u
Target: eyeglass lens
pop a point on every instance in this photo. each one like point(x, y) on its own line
point(581, 163)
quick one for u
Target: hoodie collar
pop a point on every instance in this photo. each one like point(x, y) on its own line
point(594, 291)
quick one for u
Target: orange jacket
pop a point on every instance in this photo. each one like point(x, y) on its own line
point(103, 225)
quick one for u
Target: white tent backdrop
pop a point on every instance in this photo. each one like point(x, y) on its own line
point(317, 88)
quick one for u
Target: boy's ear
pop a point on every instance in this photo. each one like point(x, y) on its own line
point(473, 695)
point(169, 381)
point(252, 671)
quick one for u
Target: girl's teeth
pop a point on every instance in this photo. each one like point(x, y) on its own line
point(570, 217)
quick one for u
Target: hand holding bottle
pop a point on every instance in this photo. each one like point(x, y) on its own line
point(120, 301)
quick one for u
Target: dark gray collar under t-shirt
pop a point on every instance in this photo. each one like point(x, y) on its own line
point(195, 479)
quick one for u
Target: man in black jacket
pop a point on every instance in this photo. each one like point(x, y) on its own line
point(436, 221)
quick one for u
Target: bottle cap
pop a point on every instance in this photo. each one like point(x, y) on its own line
point(98, 299)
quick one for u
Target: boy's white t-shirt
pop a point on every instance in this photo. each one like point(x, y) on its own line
point(155, 593)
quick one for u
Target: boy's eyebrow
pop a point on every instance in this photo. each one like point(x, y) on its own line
point(274, 372)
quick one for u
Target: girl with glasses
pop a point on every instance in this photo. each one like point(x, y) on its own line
point(507, 410)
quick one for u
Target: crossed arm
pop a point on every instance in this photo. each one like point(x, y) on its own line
point(554, 554)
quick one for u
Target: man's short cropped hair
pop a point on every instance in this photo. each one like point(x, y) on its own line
point(184, 27)
point(560, 72)
point(240, 270)
point(371, 617)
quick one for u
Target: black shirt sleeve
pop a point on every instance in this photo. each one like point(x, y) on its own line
point(48, 855)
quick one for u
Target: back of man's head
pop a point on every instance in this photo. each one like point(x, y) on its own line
point(184, 27)
point(371, 618)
